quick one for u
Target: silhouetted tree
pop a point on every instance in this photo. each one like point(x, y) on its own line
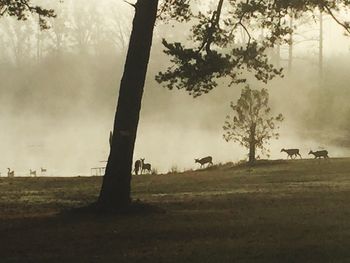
point(196, 68)
point(115, 191)
point(251, 124)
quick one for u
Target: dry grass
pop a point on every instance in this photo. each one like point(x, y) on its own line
point(295, 211)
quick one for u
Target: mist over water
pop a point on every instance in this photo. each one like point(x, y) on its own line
point(56, 112)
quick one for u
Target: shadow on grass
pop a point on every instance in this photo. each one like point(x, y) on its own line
point(263, 162)
point(136, 207)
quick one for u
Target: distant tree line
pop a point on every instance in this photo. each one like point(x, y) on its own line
point(75, 27)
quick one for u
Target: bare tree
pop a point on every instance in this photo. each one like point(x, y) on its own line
point(320, 48)
point(58, 36)
point(19, 39)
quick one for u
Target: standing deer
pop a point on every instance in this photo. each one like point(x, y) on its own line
point(319, 154)
point(291, 153)
point(10, 173)
point(145, 166)
point(203, 161)
point(137, 166)
point(43, 170)
point(32, 172)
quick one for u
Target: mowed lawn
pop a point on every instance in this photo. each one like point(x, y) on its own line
point(278, 211)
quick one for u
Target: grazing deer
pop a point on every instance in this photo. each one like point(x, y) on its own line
point(137, 166)
point(319, 154)
point(10, 173)
point(32, 172)
point(145, 166)
point(291, 153)
point(203, 161)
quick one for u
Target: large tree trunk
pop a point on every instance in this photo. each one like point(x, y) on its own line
point(115, 191)
point(251, 153)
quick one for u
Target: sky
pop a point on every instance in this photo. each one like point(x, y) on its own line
point(57, 109)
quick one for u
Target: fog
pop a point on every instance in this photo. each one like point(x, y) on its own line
point(59, 90)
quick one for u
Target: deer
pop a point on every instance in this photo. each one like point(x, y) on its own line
point(137, 166)
point(145, 166)
point(203, 161)
point(291, 153)
point(43, 170)
point(319, 154)
point(10, 173)
point(32, 172)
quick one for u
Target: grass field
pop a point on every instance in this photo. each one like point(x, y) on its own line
point(278, 211)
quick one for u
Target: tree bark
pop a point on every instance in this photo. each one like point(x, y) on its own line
point(115, 190)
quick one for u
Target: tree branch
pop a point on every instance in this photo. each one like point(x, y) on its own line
point(133, 5)
point(214, 22)
point(344, 25)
